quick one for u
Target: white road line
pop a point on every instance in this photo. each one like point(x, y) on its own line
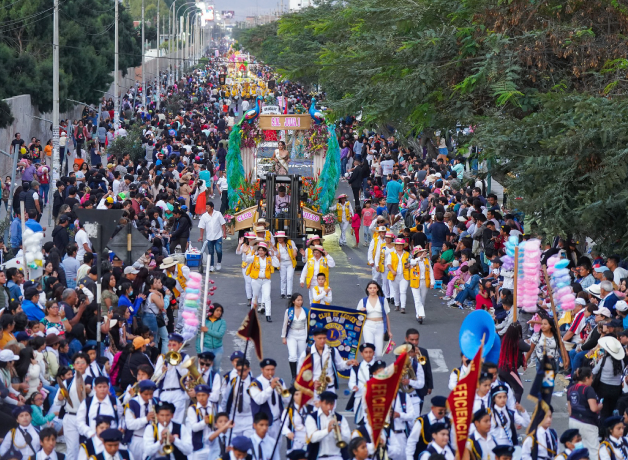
point(437, 360)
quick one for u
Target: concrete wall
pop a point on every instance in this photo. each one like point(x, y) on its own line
point(23, 112)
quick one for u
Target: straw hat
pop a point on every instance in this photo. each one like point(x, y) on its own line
point(400, 241)
point(280, 234)
point(263, 222)
point(318, 247)
point(612, 346)
point(262, 244)
point(168, 262)
point(390, 235)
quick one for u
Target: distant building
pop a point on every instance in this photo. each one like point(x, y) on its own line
point(296, 5)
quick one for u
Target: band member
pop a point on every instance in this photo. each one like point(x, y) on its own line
point(48, 441)
point(614, 446)
point(482, 393)
point(421, 359)
point(241, 446)
point(491, 369)
point(572, 440)
point(480, 444)
point(320, 262)
point(377, 321)
point(294, 331)
point(93, 369)
point(344, 212)
point(294, 426)
point(297, 455)
point(266, 396)
point(218, 438)
point(398, 264)
point(438, 445)
point(235, 357)
point(261, 232)
point(420, 435)
point(24, 438)
point(138, 413)
point(543, 443)
point(234, 393)
point(385, 250)
point(93, 446)
point(210, 376)
point(375, 253)
point(76, 388)
point(388, 445)
point(503, 452)
point(504, 422)
point(144, 372)
point(417, 382)
point(358, 449)
point(421, 276)
point(165, 432)
point(307, 254)
point(260, 271)
point(403, 417)
point(321, 293)
point(199, 421)
point(263, 443)
point(580, 454)
point(358, 377)
point(459, 372)
point(287, 255)
point(111, 445)
point(246, 247)
point(169, 376)
point(325, 357)
point(325, 428)
point(100, 403)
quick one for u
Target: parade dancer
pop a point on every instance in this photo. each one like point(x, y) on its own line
point(320, 262)
point(375, 261)
point(344, 211)
point(294, 331)
point(397, 262)
point(246, 247)
point(287, 253)
point(260, 271)
point(421, 276)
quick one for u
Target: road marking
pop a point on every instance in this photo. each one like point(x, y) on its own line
point(437, 360)
point(239, 345)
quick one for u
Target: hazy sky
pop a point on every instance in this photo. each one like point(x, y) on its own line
point(245, 8)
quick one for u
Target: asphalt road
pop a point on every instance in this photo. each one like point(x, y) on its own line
point(438, 333)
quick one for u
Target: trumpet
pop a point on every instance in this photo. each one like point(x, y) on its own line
point(324, 380)
point(340, 443)
point(281, 391)
point(420, 358)
point(167, 447)
point(193, 376)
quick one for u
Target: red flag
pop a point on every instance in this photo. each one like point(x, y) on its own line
point(251, 330)
point(381, 391)
point(305, 380)
point(460, 401)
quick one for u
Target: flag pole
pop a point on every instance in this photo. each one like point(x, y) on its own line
point(514, 294)
point(281, 427)
point(237, 395)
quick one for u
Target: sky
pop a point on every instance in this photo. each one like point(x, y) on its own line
point(245, 8)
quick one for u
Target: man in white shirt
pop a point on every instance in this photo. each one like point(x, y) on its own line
point(223, 186)
point(358, 377)
point(213, 229)
point(265, 396)
point(102, 403)
point(83, 243)
point(613, 264)
point(178, 435)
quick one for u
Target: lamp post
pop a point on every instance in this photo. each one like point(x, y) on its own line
point(177, 31)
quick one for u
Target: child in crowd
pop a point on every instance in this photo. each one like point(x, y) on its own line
point(484, 298)
point(355, 225)
point(368, 214)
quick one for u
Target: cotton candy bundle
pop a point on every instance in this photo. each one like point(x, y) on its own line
point(189, 309)
point(528, 275)
point(560, 281)
point(32, 242)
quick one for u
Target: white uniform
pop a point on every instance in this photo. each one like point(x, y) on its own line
point(97, 445)
point(169, 388)
point(359, 379)
point(263, 447)
point(403, 424)
point(373, 330)
point(98, 407)
point(286, 270)
point(295, 424)
point(315, 270)
point(419, 294)
point(344, 222)
point(319, 295)
point(267, 395)
point(296, 337)
point(261, 285)
point(325, 438)
point(375, 247)
point(137, 425)
point(319, 360)
point(415, 434)
point(486, 444)
point(385, 280)
point(393, 449)
point(543, 436)
point(70, 426)
point(418, 383)
point(398, 286)
point(153, 448)
point(446, 451)
point(195, 422)
point(16, 438)
point(619, 447)
point(247, 278)
point(243, 419)
point(501, 429)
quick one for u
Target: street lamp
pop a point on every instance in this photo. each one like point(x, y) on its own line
point(186, 25)
point(175, 16)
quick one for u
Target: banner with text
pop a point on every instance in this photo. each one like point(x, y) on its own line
point(344, 329)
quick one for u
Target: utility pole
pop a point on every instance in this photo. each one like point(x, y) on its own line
point(158, 95)
point(143, 59)
point(116, 99)
point(56, 161)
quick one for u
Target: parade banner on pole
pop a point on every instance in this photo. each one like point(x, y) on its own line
point(381, 391)
point(305, 380)
point(344, 329)
point(460, 401)
point(251, 330)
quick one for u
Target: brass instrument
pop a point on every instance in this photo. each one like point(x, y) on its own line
point(193, 377)
point(408, 371)
point(167, 448)
point(173, 358)
point(281, 391)
point(340, 443)
point(324, 380)
point(420, 358)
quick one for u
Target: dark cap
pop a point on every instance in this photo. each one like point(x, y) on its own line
point(328, 396)
point(568, 435)
point(236, 355)
point(202, 389)
point(267, 362)
point(439, 401)
point(610, 422)
point(241, 443)
point(111, 435)
point(503, 450)
point(578, 454)
point(176, 337)
point(367, 345)
point(208, 355)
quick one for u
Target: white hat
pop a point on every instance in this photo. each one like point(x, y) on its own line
point(7, 356)
point(583, 302)
point(612, 346)
point(168, 262)
point(621, 305)
point(594, 290)
point(603, 311)
point(130, 270)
